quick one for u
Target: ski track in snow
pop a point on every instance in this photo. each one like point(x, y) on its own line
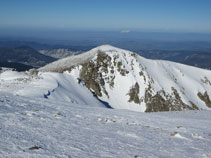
point(65, 130)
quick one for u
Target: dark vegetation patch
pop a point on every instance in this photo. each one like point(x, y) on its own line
point(206, 80)
point(205, 98)
point(34, 148)
point(165, 102)
point(134, 94)
point(91, 73)
point(16, 66)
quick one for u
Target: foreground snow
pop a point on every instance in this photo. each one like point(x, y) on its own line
point(39, 127)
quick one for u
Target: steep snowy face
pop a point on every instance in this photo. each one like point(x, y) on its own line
point(128, 81)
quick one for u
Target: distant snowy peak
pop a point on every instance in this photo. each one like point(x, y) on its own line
point(128, 81)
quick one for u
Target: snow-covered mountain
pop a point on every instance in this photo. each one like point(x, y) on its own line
point(126, 80)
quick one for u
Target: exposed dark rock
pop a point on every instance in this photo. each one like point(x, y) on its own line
point(34, 148)
point(91, 75)
point(142, 75)
point(206, 80)
point(205, 98)
point(134, 94)
point(91, 78)
point(165, 102)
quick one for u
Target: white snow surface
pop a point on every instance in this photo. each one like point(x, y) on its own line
point(54, 86)
point(11, 75)
point(57, 129)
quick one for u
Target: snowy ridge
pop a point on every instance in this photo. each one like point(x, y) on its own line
point(66, 63)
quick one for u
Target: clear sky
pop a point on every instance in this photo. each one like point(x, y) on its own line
point(157, 15)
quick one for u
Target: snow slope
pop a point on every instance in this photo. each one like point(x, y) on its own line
point(43, 128)
point(53, 86)
point(128, 81)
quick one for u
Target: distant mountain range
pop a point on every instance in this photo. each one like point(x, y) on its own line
point(44, 46)
point(24, 55)
point(202, 60)
point(16, 66)
point(194, 58)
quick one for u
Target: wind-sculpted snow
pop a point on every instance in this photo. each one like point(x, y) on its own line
point(45, 128)
point(128, 81)
point(53, 86)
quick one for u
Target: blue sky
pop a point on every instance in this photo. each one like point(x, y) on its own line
point(149, 15)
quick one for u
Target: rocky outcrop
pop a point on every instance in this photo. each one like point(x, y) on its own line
point(205, 98)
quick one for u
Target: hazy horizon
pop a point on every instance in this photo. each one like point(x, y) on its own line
point(97, 22)
point(177, 16)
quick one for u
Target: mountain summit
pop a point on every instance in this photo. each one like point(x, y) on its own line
point(126, 80)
